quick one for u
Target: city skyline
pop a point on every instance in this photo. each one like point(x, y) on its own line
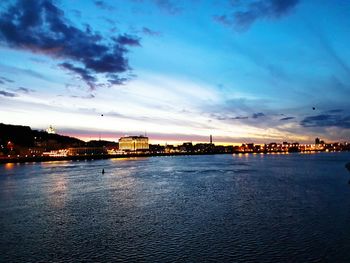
point(243, 71)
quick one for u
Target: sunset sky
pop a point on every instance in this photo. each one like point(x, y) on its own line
point(241, 70)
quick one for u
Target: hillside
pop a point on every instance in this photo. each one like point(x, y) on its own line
point(24, 136)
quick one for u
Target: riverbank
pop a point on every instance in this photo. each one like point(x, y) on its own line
point(92, 157)
point(114, 156)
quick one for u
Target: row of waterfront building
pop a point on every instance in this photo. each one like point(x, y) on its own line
point(140, 145)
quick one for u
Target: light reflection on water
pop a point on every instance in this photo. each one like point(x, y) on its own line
point(219, 208)
point(9, 166)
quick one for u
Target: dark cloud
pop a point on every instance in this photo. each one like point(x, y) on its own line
point(83, 73)
point(245, 13)
point(287, 118)
point(115, 79)
point(239, 118)
point(150, 32)
point(127, 40)
point(258, 115)
point(39, 26)
point(7, 94)
point(327, 120)
point(224, 117)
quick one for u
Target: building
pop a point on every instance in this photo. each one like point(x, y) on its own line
point(156, 148)
point(51, 130)
point(133, 143)
point(186, 147)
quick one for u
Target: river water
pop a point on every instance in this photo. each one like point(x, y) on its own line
point(209, 208)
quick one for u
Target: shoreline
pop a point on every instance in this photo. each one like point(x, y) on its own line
point(39, 159)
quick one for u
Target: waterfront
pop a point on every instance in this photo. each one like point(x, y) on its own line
point(201, 208)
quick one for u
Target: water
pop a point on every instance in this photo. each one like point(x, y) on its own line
point(218, 208)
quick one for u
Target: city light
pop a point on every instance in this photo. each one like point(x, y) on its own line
point(50, 146)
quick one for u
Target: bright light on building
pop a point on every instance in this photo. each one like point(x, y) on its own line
point(133, 143)
point(50, 130)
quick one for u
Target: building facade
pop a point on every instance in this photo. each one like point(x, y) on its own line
point(133, 143)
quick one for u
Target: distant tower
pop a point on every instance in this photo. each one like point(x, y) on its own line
point(50, 130)
point(211, 139)
point(317, 141)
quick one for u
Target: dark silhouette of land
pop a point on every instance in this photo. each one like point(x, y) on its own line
point(25, 136)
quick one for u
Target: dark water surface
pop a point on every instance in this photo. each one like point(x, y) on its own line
point(215, 208)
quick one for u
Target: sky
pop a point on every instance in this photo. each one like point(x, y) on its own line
point(242, 70)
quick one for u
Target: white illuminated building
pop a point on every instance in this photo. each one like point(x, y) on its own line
point(50, 130)
point(133, 143)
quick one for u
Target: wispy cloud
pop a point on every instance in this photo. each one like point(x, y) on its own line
point(335, 111)
point(17, 70)
point(128, 40)
point(287, 118)
point(7, 94)
point(4, 79)
point(25, 90)
point(327, 120)
point(169, 6)
point(258, 115)
point(103, 5)
point(150, 32)
point(245, 13)
point(240, 118)
point(90, 96)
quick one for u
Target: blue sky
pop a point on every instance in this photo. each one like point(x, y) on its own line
point(242, 71)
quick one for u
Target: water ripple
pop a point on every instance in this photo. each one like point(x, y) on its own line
point(217, 208)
